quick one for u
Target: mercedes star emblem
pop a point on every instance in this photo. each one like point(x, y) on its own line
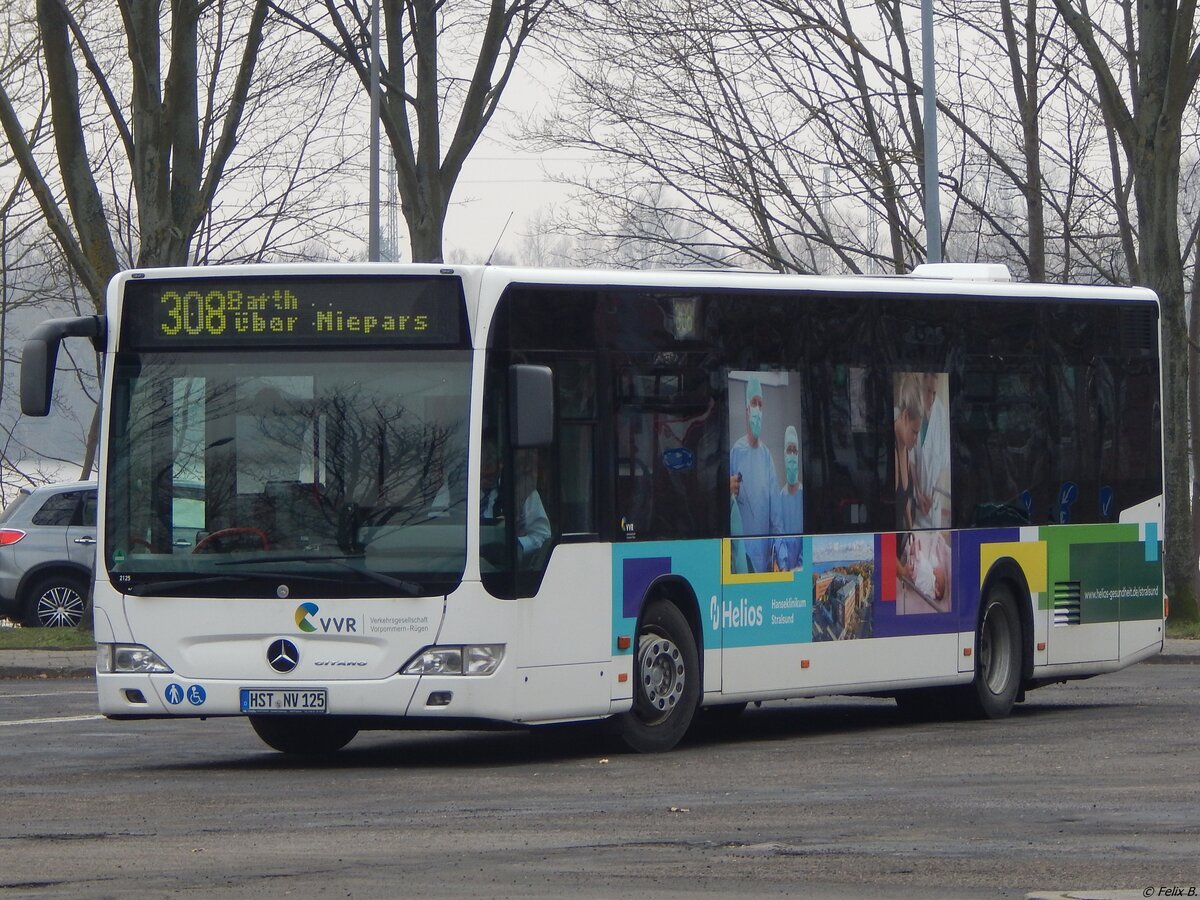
point(283, 656)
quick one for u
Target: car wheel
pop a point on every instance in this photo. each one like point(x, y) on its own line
point(57, 601)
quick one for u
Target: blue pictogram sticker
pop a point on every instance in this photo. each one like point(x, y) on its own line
point(196, 695)
point(174, 694)
point(1067, 495)
point(1106, 502)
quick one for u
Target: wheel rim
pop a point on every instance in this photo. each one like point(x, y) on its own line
point(996, 649)
point(59, 607)
point(663, 675)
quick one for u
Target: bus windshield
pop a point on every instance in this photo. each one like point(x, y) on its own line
point(288, 473)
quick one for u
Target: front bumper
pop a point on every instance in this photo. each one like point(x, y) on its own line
point(426, 697)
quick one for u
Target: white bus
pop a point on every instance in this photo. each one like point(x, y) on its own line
point(346, 497)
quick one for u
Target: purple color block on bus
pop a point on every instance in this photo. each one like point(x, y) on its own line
point(636, 576)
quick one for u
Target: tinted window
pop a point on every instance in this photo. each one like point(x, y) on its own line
point(1045, 411)
point(671, 454)
point(88, 518)
point(60, 509)
point(520, 516)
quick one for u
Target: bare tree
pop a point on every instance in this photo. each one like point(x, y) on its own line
point(1145, 76)
point(200, 132)
point(745, 121)
point(176, 150)
point(444, 71)
point(790, 131)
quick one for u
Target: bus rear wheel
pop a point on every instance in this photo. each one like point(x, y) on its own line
point(998, 652)
point(303, 735)
point(666, 673)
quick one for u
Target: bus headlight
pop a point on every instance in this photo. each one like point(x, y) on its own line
point(468, 659)
point(129, 658)
point(482, 659)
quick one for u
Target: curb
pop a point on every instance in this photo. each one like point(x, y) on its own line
point(45, 673)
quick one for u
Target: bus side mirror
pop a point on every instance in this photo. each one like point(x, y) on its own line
point(40, 356)
point(530, 406)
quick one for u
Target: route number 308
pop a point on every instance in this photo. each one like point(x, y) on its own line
point(195, 313)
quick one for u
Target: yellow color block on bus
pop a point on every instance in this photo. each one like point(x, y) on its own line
point(1030, 556)
point(729, 577)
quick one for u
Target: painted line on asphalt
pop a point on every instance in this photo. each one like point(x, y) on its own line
point(45, 694)
point(51, 721)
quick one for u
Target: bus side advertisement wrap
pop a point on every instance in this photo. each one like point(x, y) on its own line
point(852, 589)
point(214, 313)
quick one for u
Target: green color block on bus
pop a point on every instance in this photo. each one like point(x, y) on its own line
point(1119, 584)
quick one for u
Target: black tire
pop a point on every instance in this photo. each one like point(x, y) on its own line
point(998, 654)
point(303, 735)
point(666, 673)
point(56, 601)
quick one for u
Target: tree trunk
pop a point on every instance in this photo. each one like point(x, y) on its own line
point(1194, 416)
point(425, 234)
point(1156, 165)
point(1150, 132)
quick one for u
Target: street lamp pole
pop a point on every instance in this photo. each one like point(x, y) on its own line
point(373, 185)
point(933, 215)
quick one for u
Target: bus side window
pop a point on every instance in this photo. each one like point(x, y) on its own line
point(519, 494)
point(576, 383)
point(670, 454)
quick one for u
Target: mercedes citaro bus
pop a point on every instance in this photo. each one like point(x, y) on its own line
point(436, 496)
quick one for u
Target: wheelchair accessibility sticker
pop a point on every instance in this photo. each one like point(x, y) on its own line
point(194, 693)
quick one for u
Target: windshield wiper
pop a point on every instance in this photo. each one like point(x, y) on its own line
point(179, 584)
point(409, 587)
point(158, 587)
point(341, 560)
point(298, 557)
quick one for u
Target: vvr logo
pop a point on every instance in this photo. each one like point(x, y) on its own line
point(303, 611)
point(306, 612)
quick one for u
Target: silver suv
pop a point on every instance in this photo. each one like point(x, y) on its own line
point(47, 550)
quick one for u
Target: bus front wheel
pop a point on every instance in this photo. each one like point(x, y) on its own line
point(666, 673)
point(303, 735)
point(998, 652)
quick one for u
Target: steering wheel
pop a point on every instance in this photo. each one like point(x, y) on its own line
point(240, 538)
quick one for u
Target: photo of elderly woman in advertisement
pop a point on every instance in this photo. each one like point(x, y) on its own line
point(921, 430)
point(922, 482)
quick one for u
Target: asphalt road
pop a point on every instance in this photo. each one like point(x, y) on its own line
point(1092, 785)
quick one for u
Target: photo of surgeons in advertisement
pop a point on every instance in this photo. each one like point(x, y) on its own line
point(766, 486)
point(922, 464)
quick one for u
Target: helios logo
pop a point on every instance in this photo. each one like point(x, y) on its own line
point(307, 612)
point(728, 614)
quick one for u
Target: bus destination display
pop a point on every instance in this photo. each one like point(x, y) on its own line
point(314, 311)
